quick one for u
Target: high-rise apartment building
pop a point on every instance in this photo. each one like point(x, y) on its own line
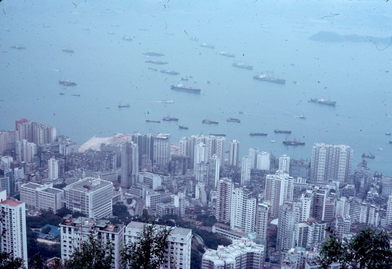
point(179, 241)
point(286, 225)
point(34, 132)
point(234, 153)
point(223, 201)
point(284, 164)
point(242, 211)
point(241, 254)
point(263, 161)
point(161, 156)
point(41, 197)
point(129, 164)
point(246, 166)
point(7, 142)
point(13, 228)
point(262, 222)
point(330, 163)
point(53, 169)
point(279, 187)
point(90, 196)
point(389, 211)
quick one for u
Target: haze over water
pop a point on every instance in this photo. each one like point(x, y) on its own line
point(272, 36)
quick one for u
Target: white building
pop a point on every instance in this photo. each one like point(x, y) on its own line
point(263, 161)
point(76, 231)
point(330, 163)
point(246, 166)
point(262, 222)
point(223, 201)
point(234, 153)
point(161, 152)
point(286, 226)
point(90, 196)
point(53, 169)
point(179, 241)
point(279, 188)
point(13, 228)
point(242, 211)
point(389, 210)
point(284, 164)
point(41, 197)
point(154, 181)
point(241, 254)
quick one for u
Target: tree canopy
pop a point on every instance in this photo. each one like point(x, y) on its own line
point(369, 249)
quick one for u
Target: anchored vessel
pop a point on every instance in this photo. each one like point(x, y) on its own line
point(156, 62)
point(209, 122)
point(227, 54)
point(67, 83)
point(282, 131)
point(323, 101)
point(368, 156)
point(182, 88)
point(168, 118)
point(293, 143)
point(153, 54)
point(258, 134)
point(169, 72)
point(268, 78)
point(235, 120)
point(123, 106)
point(243, 66)
point(223, 135)
point(153, 121)
point(182, 127)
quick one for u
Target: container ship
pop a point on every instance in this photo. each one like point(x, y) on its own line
point(182, 88)
point(243, 66)
point(67, 83)
point(258, 134)
point(221, 135)
point(268, 78)
point(293, 143)
point(209, 122)
point(169, 72)
point(323, 101)
point(234, 120)
point(282, 131)
point(168, 118)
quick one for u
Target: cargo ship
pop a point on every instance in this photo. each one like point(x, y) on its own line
point(221, 135)
point(124, 106)
point(182, 88)
point(293, 143)
point(234, 120)
point(67, 83)
point(68, 51)
point(243, 66)
point(153, 54)
point(169, 72)
point(227, 54)
point(181, 127)
point(282, 131)
point(258, 134)
point(368, 156)
point(168, 118)
point(156, 62)
point(323, 101)
point(153, 121)
point(268, 78)
point(209, 122)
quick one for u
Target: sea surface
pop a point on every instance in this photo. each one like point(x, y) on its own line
point(339, 50)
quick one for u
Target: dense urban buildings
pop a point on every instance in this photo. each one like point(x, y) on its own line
point(273, 209)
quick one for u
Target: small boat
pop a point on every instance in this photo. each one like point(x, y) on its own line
point(61, 93)
point(220, 135)
point(166, 102)
point(181, 127)
point(153, 121)
point(124, 106)
point(169, 72)
point(241, 65)
point(156, 62)
point(153, 54)
point(234, 120)
point(282, 131)
point(323, 101)
point(258, 134)
point(18, 47)
point(390, 142)
point(207, 46)
point(368, 156)
point(272, 141)
point(70, 51)
point(293, 143)
point(153, 69)
point(301, 117)
point(388, 134)
point(227, 54)
point(209, 122)
point(76, 95)
point(168, 118)
point(67, 83)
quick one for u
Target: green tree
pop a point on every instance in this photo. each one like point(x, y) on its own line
point(149, 251)
point(7, 261)
point(91, 255)
point(368, 249)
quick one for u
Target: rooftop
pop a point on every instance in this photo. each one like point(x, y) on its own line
point(11, 203)
point(176, 231)
point(83, 222)
point(88, 184)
